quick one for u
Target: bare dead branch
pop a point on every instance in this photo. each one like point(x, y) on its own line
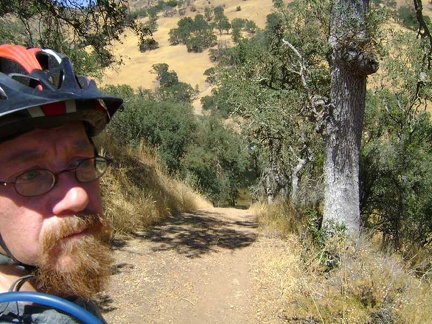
point(318, 107)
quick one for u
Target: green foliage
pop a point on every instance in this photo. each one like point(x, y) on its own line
point(250, 26)
point(408, 16)
point(148, 44)
point(210, 73)
point(172, 3)
point(396, 168)
point(221, 23)
point(257, 83)
point(274, 26)
point(217, 161)
point(170, 89)
point(200, 42)
point(67, 25)
point(178, 92)
point(239, 25)
point(324, 240)
point(207, 102)
point(209, 155)
point(163, 124)
point(181, 34)
point(166, 78)
point(200, 24)
point(218, 11)
point(195, 33)
point(12, 32)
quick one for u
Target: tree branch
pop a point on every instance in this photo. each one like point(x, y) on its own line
point(423, 32)
point(318, 106)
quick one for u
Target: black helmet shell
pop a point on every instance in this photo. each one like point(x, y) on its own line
point(38, 88)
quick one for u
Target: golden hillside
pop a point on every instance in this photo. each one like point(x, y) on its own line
point(136, 67)
point(189, 66)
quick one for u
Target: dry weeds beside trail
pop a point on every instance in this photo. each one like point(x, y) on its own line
point(192, 268)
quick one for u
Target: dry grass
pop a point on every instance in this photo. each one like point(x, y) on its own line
point(190, 67)
point(137, 193)
point(342, 281)
point(279, 218)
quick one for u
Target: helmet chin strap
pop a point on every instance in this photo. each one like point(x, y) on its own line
point(9, 259)
point(7, 253)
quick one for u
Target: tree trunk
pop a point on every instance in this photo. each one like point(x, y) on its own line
point(342, 150)
point(296, 181)
point(350, 65)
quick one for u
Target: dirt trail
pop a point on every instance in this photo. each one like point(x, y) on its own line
point(192, 268)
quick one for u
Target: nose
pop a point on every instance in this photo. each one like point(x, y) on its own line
point(74, 200)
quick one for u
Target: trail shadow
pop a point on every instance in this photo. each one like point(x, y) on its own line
point(194, 235)
point(105, 302)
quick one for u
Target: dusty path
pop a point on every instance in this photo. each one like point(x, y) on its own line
point(193, 268)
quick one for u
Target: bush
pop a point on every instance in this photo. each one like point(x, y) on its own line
point(172, 3)
point(408, 17)
point(211, 156)
point(364, 285)
point(179, 92)
point(216, 162)
point(196, 34)
point(166, 126)
point(148, 44)
point(136, 193)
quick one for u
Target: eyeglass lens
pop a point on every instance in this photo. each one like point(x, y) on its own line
point(38, 182)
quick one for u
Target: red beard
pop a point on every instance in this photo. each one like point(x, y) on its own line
point(75, 257)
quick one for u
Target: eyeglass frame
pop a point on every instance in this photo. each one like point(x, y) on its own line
point(56, 174)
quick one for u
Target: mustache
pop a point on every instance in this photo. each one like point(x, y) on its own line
point(74, 224)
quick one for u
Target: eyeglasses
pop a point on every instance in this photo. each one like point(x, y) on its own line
point(39, 181)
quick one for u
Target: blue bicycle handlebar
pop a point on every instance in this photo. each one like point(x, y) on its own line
point(52, 301)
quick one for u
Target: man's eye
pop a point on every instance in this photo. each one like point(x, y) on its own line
point(85, 163)
point(31, 175)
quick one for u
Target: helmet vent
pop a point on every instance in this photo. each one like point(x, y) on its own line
point(3, 95)
point(8, 66)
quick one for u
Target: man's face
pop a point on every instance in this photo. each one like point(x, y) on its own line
point(59, 230)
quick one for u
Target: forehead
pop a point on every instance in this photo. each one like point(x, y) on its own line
point(68, 137)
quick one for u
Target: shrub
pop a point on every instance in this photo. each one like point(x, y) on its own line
point(407, 16)
point(148, 44)
point(216, 162)
point(136, 192)
point(172, 3)
point(166, 125)
point(364, 285)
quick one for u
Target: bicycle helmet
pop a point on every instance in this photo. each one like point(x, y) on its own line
point(38, 89)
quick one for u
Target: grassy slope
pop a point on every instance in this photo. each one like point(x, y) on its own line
point(189, 66)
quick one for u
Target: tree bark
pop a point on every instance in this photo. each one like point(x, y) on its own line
point(350, 64)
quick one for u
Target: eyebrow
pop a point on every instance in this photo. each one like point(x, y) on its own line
point(33, 154)
point(24, 155)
